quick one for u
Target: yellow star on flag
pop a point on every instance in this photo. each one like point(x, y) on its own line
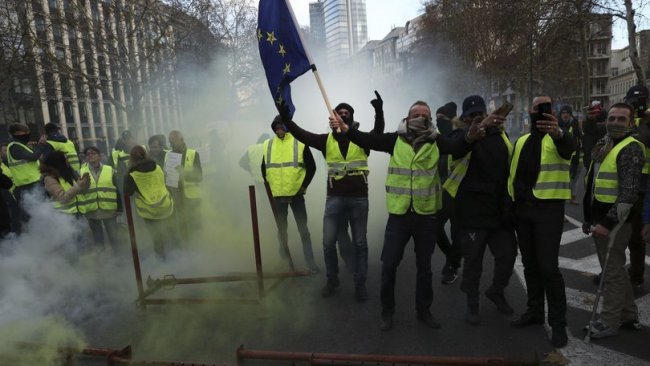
point(279, 100)
point(259, 34)
point(282, 51)
point(287, 68)
point(270, 37)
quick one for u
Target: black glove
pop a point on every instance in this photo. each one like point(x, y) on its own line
point(283, 108)
point(378, 103)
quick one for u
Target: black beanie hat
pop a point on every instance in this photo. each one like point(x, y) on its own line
point(276, 120)
point(346, 106)
point(448, 110)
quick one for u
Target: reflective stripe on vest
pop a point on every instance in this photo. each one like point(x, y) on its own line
point(354, 163)
point(460, 169)
point(23, 172)
point(413, 179)
point(119, 156)
point(255, 156)
point(71, 206)
point(101, 194)
point(606, 182)
point(69, 150)
point(152, 200)
point(646, 151)
point(283, 160)
point(553, 180)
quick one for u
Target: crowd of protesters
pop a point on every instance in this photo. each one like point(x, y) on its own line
point(508, 196)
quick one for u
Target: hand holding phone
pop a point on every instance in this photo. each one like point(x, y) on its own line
point(504, 109)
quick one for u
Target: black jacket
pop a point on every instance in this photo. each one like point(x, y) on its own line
point(348, 186)
point(529, 164)
point(482, 197)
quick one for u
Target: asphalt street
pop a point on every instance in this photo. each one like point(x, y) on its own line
point(293, 317)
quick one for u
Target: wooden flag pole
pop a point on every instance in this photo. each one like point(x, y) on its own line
point(328, 105)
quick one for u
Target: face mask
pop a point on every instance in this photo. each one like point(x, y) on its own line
point(417, 123)
point(617, 131)
point(22, 138)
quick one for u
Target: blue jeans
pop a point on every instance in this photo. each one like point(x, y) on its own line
point(338, 212)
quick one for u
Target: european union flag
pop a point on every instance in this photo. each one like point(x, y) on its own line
point(282, 53)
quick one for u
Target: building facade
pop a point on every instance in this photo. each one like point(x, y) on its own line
point(623, 76)
point(346, 28)
point(96, 68)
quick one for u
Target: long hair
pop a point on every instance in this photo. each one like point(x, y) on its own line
point(56, 165)
point(138, 156)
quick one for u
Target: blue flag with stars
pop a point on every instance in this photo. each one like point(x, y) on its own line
point(282, 53)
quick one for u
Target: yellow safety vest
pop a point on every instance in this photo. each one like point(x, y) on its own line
point(152, 200)
point(190, 189)
point(23, 172)
point(255, 156)
point(606, 181)
point(646, 151)
point(70, 207)
point(285, 168)
point(70, 152)
point(101, 194)
point(413, 179)
point(120, 156)
point(354, 163)
point(553, 180)
point(454, 180)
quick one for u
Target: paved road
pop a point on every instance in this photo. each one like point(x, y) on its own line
point(296, 318)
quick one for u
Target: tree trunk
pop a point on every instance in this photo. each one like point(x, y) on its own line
point(584, 63)
point(631, 37)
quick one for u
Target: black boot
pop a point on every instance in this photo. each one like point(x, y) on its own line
point(330, 287)
point(472, 317)
point(499, 300)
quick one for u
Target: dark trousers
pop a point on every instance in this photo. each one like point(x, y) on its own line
point(297, 204)
point(539, 228)
point(399, 230)
point(22, 216)
point(503, 247)
point(637, 245)
point(163, 235)
point(451, 249)
point(97, 228)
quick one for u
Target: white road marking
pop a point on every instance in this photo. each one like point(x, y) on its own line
point(573, 235)
point(591, 354)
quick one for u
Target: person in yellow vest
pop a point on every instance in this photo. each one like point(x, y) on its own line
point(153, 202)
point(445, 120)
point(637, 96)
point(252, 159)
point(288, 166)
point(347, 196)
point(187, 196)
point(539, 185)
point(57, 142)
point(101, 203)
point(23, 163)
point(62, 183)
point(478, 185)
point(119, 159)
point(614, 181)
point(413, 197)
point(568, 122)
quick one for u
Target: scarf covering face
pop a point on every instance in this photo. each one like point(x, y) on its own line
point(418, 131)
point(614, 134)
